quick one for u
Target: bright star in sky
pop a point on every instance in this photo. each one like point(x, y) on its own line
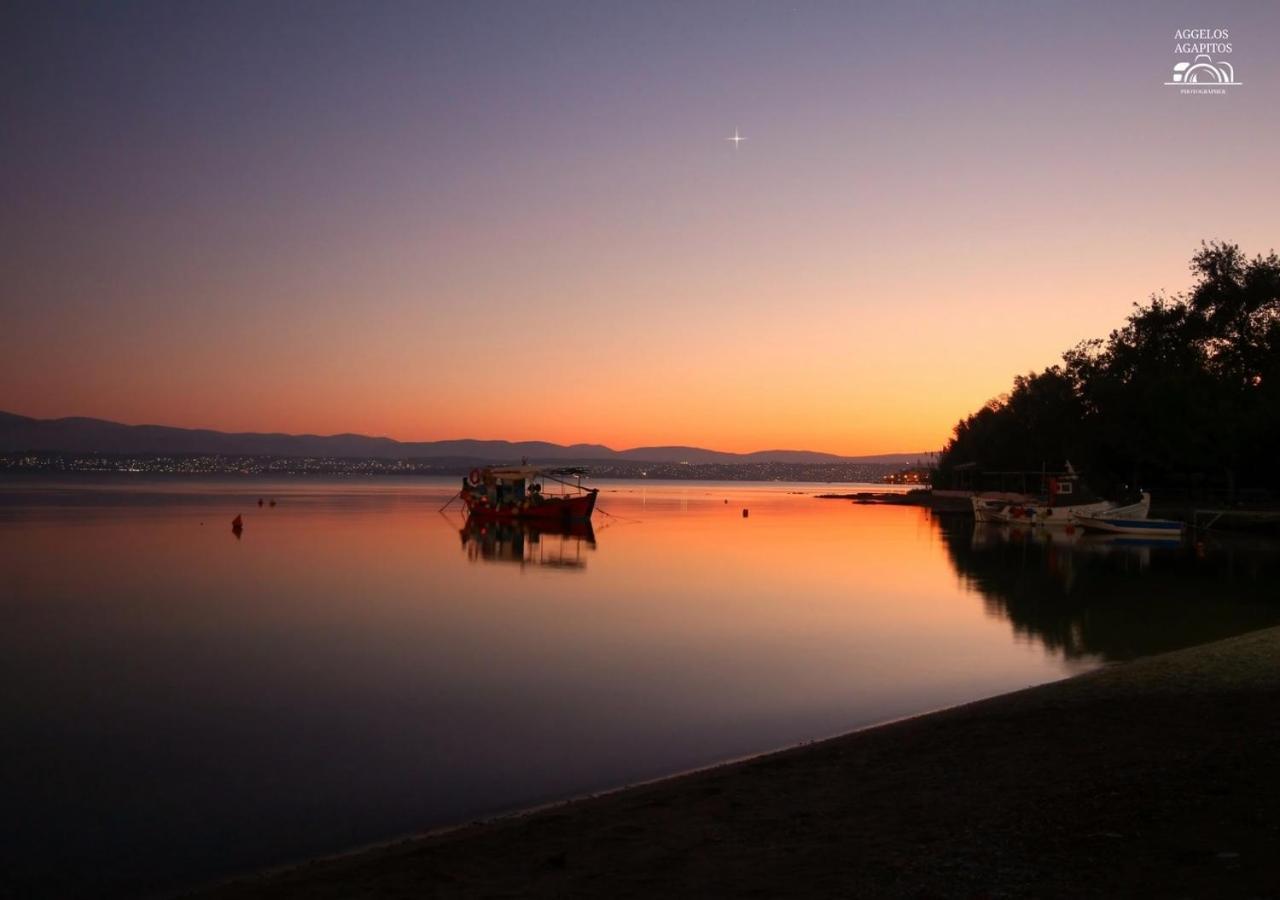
point(737, 139)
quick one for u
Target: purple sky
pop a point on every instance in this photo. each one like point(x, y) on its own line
point(412, 218)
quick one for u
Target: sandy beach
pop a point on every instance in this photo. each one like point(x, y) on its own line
point(1157, 777)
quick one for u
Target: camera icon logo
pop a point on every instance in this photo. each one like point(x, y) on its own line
point(1203, 70)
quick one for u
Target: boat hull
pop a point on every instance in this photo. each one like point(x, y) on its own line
point(1040, 514)
point(991, 508)
point(986, 510)
point(1137, 510)
point(545, 509)
point(1043, 514)
point(1152, 528)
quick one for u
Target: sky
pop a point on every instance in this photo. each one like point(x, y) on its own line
point(524, 220)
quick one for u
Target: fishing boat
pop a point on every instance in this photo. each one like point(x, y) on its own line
point(517, 492)
point(1067, 499)
point(1167, 529)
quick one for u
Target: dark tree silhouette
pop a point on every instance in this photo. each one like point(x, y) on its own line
point(1186, 393)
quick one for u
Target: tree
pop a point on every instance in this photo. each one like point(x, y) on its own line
point(1187, 390)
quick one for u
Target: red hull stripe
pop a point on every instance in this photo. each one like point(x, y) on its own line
point(550, 508)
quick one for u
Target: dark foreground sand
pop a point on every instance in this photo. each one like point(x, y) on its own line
point(1155, 778)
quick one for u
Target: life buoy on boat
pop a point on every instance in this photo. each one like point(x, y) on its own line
point(474, 477)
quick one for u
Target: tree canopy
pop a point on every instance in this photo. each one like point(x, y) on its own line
point(1186, 392)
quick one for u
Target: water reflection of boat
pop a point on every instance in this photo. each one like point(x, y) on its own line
point(528, 542)
point(516, 492)
point(987, 534)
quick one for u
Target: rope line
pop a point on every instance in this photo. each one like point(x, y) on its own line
point(605, 512)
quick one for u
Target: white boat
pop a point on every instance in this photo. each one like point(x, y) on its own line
point(1137, 510)
point(1069, 498)
point(1061, 514)
point(1151, 528)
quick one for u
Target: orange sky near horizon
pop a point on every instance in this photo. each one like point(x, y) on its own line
point(851, 381)
point(527, 224)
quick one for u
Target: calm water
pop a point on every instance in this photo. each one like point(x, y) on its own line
point(177, 703)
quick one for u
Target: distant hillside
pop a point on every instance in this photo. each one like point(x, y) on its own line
point(699, 455)
point(21, 434)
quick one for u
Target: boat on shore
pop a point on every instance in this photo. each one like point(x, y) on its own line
point(517, 492)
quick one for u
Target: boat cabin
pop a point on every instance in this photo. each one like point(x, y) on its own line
point(505, 486)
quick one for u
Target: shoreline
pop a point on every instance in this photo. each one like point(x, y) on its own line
point(1153, 776)
point(1203, 516)
point(516, 813)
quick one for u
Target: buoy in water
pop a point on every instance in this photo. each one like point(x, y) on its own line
point(745, 513)
point(259, 501)
point(237, 525)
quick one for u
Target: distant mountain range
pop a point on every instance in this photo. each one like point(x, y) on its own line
point(22, 434)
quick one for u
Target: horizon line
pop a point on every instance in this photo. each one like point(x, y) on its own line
point(384, 437)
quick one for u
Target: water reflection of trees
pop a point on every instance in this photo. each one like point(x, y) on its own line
point(1087, 595)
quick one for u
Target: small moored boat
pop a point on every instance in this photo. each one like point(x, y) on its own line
point(1067, 499)
point(516, 492)
point(1107, 524)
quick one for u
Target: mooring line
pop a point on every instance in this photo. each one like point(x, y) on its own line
point(605, 512)
point(450, 500)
